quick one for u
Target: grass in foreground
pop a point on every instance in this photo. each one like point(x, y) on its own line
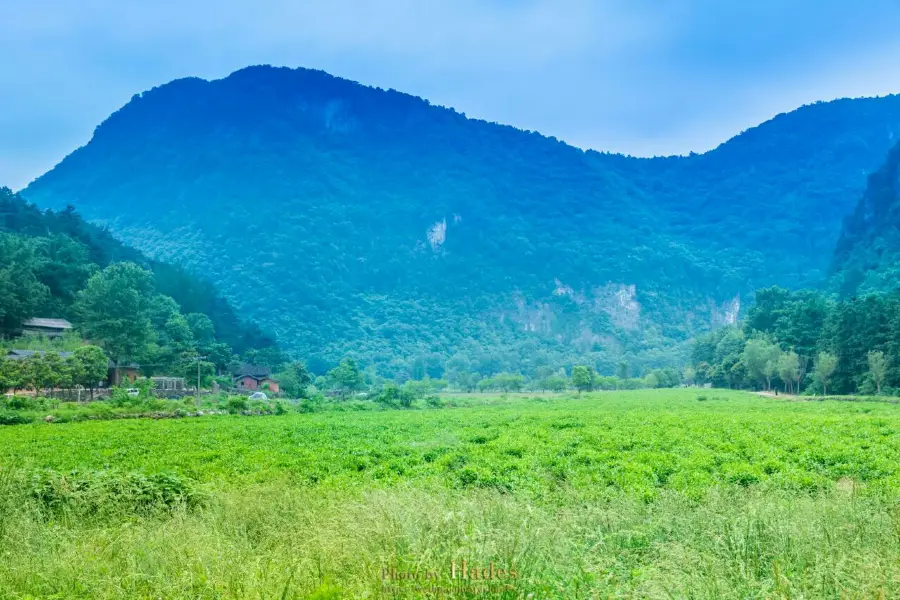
point(633, 494)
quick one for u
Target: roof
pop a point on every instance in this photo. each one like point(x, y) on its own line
point(113, 365)
point(22, 354)
point(254, 371)
point(48, 323)
point(256, 377)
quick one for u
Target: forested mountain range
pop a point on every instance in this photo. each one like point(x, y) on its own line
point(867, 257)
point(55, 264)
point(349, 219)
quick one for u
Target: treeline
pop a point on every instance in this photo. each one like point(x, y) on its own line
point(86, 366)
point(347, 380)
point(806, 342)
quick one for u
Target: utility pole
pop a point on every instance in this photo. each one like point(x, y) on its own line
point(198, 359)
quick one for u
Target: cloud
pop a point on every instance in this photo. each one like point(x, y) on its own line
point(642, 77)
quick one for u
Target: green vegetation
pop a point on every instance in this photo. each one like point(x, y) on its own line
point(49, 270)
point(650, 494)
point(806, 342)
point(18, 410)
point(868, 251)
point(54, 264)
point(352, 221)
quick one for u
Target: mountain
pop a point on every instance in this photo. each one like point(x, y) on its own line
point(867, 256)
point(350, 219)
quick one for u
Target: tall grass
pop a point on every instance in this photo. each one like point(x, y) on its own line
point(280, 541)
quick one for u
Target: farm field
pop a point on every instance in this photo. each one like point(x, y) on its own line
point(645, 494)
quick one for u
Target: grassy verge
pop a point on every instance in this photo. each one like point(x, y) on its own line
point(289, 542)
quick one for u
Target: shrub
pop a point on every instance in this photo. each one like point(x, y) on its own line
point(236, 404)
point(8, 417)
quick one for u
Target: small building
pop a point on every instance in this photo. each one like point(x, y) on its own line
point(168, 384)
point(253, 378)
point(23, 354)
point(119, 374)
point(47, 327)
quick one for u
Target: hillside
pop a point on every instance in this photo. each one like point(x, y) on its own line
point(49, 258)
point(867, 255)
point(352, 219)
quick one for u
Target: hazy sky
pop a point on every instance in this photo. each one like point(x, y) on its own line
point(637, 76)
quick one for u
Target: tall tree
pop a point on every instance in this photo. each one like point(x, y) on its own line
point(90, 367)
point(789, 369)
point(583, 378)
point(877, 368)
point(113, 310)
point(346, 378)
point(824, 368)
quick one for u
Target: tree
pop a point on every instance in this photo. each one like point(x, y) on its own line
point(113, 310)
point(11, 375)
point(824, 368)
point(21, 294)
point(346, 378)
point(789, 369)
point(622, 371)
point(90, 367)
point(294, 379)
point(508, 382)
point(554, 383)
point(54, 371)
point(202, 329)
point(760, 357)
point(689, 375)
point(179, 334)
point(583, 378)
point(877, 368)
point(651, 380)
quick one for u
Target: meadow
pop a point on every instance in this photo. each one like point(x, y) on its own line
point(678, 493)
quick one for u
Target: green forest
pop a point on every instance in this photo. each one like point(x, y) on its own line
point(354, 221)
point(806, 342)
point(54, 264)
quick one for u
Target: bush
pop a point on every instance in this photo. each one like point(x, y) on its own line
point(236, 404)
point(8, 417)
point(25, 403)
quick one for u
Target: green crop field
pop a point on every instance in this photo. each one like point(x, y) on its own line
point(645, 494)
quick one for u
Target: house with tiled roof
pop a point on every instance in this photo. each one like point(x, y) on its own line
point(46, 327)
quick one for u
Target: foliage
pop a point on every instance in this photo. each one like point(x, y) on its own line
point(295, 379)
point(785, 333)
point(867, 255)
point(824, 368)
point(47, 258)
point(582, 378)
point(346, 378)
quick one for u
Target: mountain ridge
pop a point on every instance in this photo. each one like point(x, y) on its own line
point(420, 232)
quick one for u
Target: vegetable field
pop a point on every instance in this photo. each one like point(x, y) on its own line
point(663, 493)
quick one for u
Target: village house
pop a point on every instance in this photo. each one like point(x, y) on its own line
point(253, 378)
point(23, 354)
point(46, 327)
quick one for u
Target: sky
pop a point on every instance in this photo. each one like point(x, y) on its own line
point(642, 77)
